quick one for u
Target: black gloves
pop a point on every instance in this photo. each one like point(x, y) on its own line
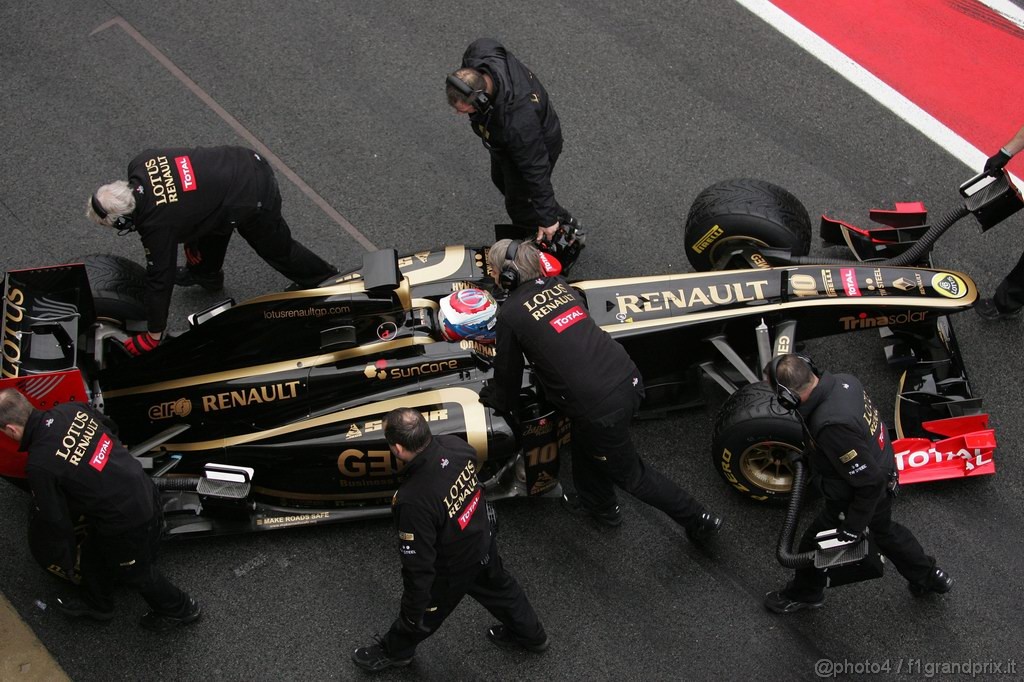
point(997, 161)
point(847, 535)
point(140, 343)
point(491, 397)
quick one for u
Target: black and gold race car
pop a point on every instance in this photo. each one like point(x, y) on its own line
point(268, 413)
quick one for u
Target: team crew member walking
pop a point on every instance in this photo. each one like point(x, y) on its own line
point(198, 197)
point(853, 456)
point(76, 466)
point(589, 377)
point(509, 109)
point(1009, 298)
point(448, 548)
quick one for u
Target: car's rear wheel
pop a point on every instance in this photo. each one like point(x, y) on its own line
point(118, 286)
point(752, 441)
point(744, 212)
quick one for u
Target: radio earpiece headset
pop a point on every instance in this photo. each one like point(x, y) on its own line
point(787, 397)
point(123, 223)
point(508, 278)
point(480, 100)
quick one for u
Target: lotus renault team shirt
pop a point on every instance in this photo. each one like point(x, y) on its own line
point(852, 452)
point(441, 517)
point(76, 463)
point(182, 194)
point(521, 125)
point(576, 362)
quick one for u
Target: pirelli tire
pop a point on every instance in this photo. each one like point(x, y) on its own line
point(118, 286)
point(734, 213)
point(751, 442)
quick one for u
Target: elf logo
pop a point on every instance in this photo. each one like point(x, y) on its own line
point(101, 455)
point(568, 319)
point(186, 173)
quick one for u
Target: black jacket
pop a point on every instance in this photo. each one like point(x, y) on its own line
point(852, 452)
point(77, 466)
point(576, 362)
point(183, 194)
point(441, 517)
point(522, 124)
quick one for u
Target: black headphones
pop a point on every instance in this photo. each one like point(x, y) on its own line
point(480, 100)
point(508, 278)
point(123, 223)
point(787, 397)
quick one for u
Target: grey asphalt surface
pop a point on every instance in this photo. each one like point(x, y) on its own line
point(658, 99)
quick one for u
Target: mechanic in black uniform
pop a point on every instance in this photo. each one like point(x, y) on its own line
point(198, 197)
point(590, 378)
point(853, 456)
point(448, 548)
point(77, 467)
point(510, 111)
point(1009, 298)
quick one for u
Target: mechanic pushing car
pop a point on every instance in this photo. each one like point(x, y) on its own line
point(77, 466)
point(1009, 297)
point(590, 378)
point(198, 197)
point(448, 548)
point(853, 457)
point(509, 109)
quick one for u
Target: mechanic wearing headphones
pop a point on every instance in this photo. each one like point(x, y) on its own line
point(77, 467)
point(448, 548)
point(590, 378)
point(510, 111)
point(1009, 298)
point(198, 197)
point(853, 457)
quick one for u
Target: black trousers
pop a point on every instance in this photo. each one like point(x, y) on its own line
point(1010, 293)
point(506, 176)
point(896, 542)
point(603, 456)
point(490, 585)
point(128, 558)
point(269, 235)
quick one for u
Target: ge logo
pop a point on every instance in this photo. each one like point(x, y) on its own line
point(377, 369)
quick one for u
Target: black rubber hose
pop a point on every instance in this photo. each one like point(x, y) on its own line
point(784, 553)
point(176, 482)
point(911, 255)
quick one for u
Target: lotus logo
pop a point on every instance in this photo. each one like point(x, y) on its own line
point(377, 369)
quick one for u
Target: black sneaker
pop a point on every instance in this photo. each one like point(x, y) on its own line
point(703, 528)
point(988, 310)
point(76, 607)
point(373, 658)
point(162, 622)
point(938, 581)
point(610, 517)
point(778, 602)
point(503, 637)
point(188, 278)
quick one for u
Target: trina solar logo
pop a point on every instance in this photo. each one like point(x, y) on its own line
point(865, 321)
point(379, 370)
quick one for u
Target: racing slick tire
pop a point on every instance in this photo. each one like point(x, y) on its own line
point(118, 285)
point(734, 213)
point(752, 439)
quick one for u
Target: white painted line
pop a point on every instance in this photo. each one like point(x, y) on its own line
point(1009, 10)
point(892, 100)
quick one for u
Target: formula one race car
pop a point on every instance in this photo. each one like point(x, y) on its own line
point(268, 414)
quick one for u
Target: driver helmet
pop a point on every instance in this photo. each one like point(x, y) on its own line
point(468, 314)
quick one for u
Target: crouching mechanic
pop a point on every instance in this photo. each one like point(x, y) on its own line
point(590, 378)
point(199, 197)
point(76, 466)
point(854, 458)
point(448, 548)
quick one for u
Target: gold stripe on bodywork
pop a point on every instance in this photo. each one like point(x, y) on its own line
point(454, 259)
point(472, 410)
point(273, 367)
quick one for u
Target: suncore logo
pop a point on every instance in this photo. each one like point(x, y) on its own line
point(865, 321)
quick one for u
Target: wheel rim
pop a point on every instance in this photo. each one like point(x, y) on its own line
point(728, 243)
point(767, 466)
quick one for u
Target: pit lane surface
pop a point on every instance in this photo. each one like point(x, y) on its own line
point(658, 100)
